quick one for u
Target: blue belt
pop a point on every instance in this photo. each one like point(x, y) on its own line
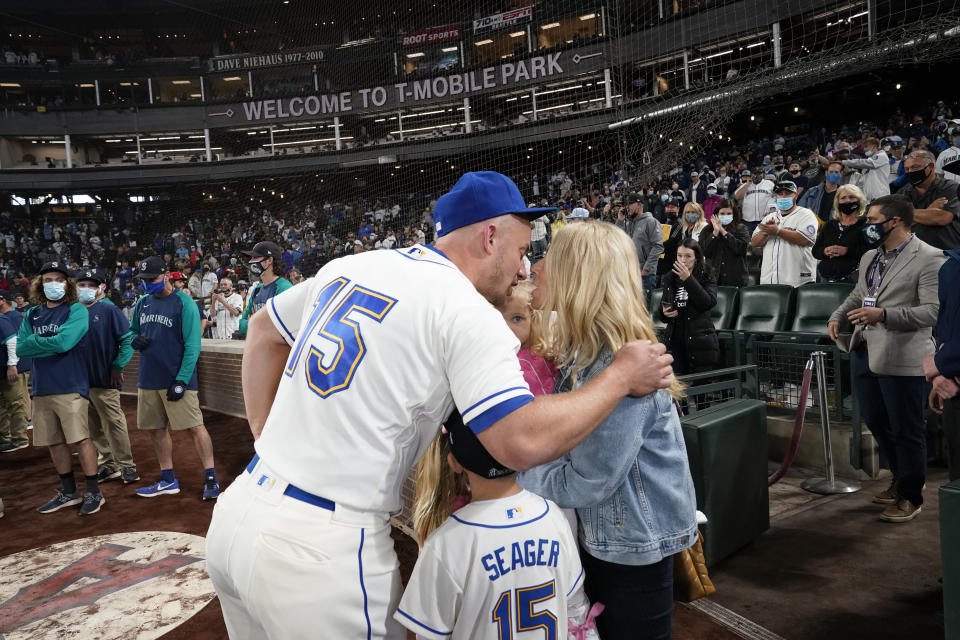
point(298, 494)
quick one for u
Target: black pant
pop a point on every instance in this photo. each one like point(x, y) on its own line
point(638, 600)
point(892, 407)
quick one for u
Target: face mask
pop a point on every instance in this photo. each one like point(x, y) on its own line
point(54, 290)
point(875, 232)
point(256, 268)
point(886, 147)
point(833, 177)
point(784, 204)
point(664, 197)
point(711, 192)
point(86, 296)
point(868, 153)
point(848, 207)
point(650, 192)
point(691, 217)
point(917, 177)
point(726, 219)
point(153, 288)
point(956, 141)
point(757, 179)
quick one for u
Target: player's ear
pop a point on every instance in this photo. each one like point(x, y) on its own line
point(452, 462)
point(489, 232)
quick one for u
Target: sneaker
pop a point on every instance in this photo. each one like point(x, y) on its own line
point(128, 475)
point(902, 511)
point(107, 473)
point(888, 495)
point(92, 503)
point(159, 488)
point(60, 501)
point(10, 447)
point(30, 425)
point(211, 489)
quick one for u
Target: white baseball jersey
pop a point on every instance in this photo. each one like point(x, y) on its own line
point(497, 569)
point(786, 263)
point(227, 323)
point(382, 345)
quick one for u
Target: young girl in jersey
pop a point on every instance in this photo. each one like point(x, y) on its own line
point(506, 562)
point(629, 479)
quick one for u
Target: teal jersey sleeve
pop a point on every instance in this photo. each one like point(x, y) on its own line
point(135, 319)
point(123, 336)
point(69, 334)
point(245, 318)
point(190, 322)
point(282, 285)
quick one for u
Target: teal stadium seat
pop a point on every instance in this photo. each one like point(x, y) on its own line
point(724, 313)
point(815, 302)
point(765, 308)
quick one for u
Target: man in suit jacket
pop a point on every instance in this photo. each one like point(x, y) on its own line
point(892, 310)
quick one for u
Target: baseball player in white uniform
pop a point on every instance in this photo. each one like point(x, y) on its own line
point(505, 563)
point(346, 379)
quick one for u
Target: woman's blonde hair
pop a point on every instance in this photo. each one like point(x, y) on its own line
point(596, 288)
point(437, 486)
point(853, 190)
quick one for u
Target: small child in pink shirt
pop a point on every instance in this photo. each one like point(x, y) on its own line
point(539, 372)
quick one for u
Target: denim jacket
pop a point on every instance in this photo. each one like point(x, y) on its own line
point(629, 480)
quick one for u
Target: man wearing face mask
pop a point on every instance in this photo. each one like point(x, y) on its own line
point(892, 310)
point(874, 170)
point(54, 333)
point(754, 195)
point(820, 199)
point(895, 147)
point(166, 330)
point(787, 236)
point(265, 264)
point(108, 352)
point(950, 155)
point(937, 218)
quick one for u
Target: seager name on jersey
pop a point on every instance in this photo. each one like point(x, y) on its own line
point(529, 553)
point(147, 318)
point(46, 330)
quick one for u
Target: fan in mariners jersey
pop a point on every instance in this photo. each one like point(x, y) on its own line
point(53, 333)
point(166, 329)
point(346, 379)
point(505, 562)
point(264, 264)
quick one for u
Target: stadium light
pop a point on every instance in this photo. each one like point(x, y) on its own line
point(517, 34)
point(551, 25)
point(232, 79)
point(589, 16)
point(182, 82)
point(449, 49)
point(10, 84)
point(483, 42)
point(416, 54)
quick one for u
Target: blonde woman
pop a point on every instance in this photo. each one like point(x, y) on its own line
point(629, 480)
point(840, 244)
point(693, 221)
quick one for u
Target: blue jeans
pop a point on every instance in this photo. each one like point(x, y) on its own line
point(638, 600)
point(893, 407)
point(649, 282)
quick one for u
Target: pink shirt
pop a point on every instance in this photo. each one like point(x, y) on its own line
point(539, 373)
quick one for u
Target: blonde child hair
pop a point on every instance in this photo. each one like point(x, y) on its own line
point(596, 288)
point(523, 293)
point(437, 486)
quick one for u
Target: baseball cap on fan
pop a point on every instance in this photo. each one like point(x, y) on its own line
point(469, 452)
point(150, 267)
point(580, 213)
point(265, 249)
point(56, 266)
point(478, 196)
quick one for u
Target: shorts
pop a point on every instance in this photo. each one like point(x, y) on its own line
point(59, 419)
point(154, 411)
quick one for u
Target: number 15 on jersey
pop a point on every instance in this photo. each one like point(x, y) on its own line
point(341, 343)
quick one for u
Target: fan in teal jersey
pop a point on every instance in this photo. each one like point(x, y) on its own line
point(264, 264)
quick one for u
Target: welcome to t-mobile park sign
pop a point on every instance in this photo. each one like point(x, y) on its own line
point(413, 93)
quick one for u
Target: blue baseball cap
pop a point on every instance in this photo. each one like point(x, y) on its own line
point(481, 195)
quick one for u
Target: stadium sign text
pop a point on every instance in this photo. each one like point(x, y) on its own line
point(436, 35)
point(261, 60)
point(504, 19)
point(507, 75)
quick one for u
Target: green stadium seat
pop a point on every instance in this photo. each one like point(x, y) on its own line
point(950, 557)
point(724, 312)
point(816, 301)
point(654, 307)
point(765, 308)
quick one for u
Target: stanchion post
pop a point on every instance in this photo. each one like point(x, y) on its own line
point(827, 485)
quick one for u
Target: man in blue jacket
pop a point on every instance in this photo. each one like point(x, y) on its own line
point(943, 368)
point(166, 330)
point(54, 333)
point(108, 352)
